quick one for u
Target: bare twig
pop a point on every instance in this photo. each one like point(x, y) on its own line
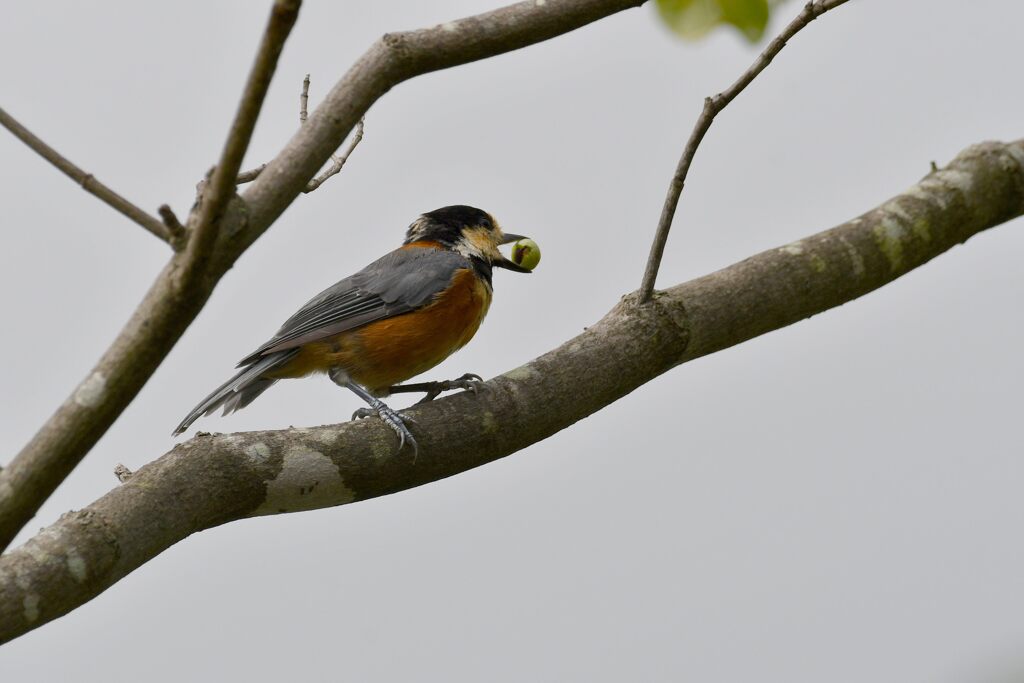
point(86, 180)
point(218, 478)
point(338, 161)
point(167, 310)
point(250, 175)
point(222, 185)
point(174, 227)
point(304, 100)
point(712, 106)
point(253, 174)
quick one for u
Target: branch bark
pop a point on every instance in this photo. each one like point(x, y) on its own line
point(211, 480)
point(173, 301)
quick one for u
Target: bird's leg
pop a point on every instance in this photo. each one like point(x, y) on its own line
point(390, 417)
point(469, 382)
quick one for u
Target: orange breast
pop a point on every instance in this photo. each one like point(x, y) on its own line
point(389, 351)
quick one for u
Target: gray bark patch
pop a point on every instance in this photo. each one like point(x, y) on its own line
point(308, 480)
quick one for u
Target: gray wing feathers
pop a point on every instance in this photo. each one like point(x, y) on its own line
point(397, 283)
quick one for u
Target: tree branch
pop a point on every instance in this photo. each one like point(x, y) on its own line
point(337, 161)
point(211, 480)
point(712, 106)
point(87, 180)
point(221, 187)
point(169, 308)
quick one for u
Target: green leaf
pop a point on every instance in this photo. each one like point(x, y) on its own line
point(693, 19)
point(749, 16)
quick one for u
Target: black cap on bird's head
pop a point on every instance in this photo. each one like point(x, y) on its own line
point(470, 231)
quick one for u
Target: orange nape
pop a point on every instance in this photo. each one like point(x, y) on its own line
point(389, 351)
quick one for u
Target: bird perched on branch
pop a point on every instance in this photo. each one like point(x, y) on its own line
point(398, 317)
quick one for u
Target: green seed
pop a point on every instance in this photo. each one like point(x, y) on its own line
point(526, 253)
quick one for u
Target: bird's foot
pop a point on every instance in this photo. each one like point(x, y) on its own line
point(392, 419)
point(469, 382)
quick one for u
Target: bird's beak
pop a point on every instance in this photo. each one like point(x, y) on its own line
point(506, 263)
point(509, 237)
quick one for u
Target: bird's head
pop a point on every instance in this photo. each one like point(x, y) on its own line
point(471, 232)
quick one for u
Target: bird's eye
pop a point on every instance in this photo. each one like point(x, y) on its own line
point(486, 223)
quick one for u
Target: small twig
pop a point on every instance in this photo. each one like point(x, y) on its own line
point(177, 231)
point(221, 187)
point(339, 161)
point(253, 174)
point(250, 175)
point(304, 100)
point(712, 106)
point(122, 473)
point(86, 180)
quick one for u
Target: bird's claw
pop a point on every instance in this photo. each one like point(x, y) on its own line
point(470, 382)
point(393, 420)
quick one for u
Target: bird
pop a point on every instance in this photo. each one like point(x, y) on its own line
point(393, 320)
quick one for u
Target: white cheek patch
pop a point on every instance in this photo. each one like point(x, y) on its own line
point(477, 242)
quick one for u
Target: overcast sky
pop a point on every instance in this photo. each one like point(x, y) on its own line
point(839, 500)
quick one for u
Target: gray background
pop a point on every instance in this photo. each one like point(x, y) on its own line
point(840, 500)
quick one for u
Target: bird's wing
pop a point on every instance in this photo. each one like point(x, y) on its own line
point(398, 282)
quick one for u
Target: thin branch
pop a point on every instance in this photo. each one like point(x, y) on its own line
point(712, 106)
point(168, 309)
point(211, 480)
point(338, 161)
point(221, 187)
point(304, 101)
point(86, 180)
point(253, 174)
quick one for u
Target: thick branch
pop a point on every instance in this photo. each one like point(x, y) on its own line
point(86, 180)
point(712, 106)
point(211, 480)
point(168, 309)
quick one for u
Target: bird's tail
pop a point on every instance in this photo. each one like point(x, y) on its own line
point(240, 390)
